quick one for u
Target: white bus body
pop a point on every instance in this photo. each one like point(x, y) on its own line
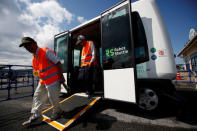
point(157, 37)
point(145, 82)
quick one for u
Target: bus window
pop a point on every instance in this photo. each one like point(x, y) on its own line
point(76, 57)
point(140, 41)
point(61, 50)
point(116, 46)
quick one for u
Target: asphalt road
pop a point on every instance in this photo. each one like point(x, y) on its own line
point(109, 115)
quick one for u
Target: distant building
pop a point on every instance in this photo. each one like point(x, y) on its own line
point(189, 52)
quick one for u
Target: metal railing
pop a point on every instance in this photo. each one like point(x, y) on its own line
point(186, 73)
point(16, 81)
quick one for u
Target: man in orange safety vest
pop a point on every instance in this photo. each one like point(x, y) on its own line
point(49, 69)
point(88, 63)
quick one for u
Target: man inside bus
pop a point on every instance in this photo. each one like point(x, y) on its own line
point(87, 72)
point(49, 69)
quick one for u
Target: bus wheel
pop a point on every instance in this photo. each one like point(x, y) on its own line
point(148, 99)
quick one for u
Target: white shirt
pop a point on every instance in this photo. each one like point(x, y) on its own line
point(50, 56)
point(93, 51)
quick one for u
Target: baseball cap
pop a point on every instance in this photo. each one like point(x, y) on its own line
point(26, 40)
point(80, 38)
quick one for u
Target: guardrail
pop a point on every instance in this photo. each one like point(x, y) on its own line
point(16, 81)
point(186, 73)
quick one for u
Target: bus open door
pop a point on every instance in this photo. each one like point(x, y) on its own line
point(62, 49)
point(118, 54)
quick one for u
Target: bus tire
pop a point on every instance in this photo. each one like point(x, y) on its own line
point(149, 99)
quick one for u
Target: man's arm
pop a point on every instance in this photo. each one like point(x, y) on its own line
point(93, 50)
point(52, 58)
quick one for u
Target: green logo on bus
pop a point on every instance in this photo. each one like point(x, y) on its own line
point(109, 52)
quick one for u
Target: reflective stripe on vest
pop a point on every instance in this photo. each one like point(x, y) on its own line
point(43, 70)
point(48, 72)
point(86, 55)
point(49, 76)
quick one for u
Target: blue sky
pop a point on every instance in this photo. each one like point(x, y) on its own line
point(42, 19)
point(179, 16)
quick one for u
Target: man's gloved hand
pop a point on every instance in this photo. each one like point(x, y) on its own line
point(62, 79)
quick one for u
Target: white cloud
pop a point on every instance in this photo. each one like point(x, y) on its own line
point(6, 11)
point(27, 2)
point(10, 33)
point(46, 18)
point(50, 10)
point(81, 19)
point(45, 32)
point(24, 18)
point(39, 20)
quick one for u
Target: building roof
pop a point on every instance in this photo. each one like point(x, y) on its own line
point(188, 45)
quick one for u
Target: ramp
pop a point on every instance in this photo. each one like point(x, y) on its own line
point(73, 107)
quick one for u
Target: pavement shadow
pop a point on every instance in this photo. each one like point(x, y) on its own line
point(103, 122)
point(188, 111)
point(185, 112)
point(36, 125)
point(189, 119)
point(133, 109)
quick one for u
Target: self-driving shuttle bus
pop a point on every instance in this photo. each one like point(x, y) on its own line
point(136, 59)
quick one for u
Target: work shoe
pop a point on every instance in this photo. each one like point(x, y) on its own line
point(33, 120)
point(56, 115)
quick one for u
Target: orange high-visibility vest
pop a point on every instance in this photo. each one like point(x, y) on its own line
point(86, 55)
point(48, 72)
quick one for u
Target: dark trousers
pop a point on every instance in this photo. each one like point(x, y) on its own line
point(87, 77)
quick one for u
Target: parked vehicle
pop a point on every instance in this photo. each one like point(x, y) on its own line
point(136, 59)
